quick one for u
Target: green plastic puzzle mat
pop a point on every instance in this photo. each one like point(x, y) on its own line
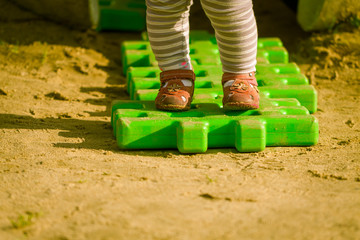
point(283, 119)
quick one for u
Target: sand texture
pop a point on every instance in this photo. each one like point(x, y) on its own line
point(62, 175)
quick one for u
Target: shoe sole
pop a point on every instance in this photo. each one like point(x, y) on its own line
point(173, 108)
point(240, 106)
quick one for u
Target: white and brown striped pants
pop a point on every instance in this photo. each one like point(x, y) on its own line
point(235, 31)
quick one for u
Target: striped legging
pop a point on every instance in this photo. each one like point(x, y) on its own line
point(235, 31)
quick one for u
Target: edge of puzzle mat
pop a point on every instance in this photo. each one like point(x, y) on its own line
point(138, 125)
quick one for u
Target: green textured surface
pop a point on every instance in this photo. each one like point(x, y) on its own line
point(278, 122)
point(122, 15)
point(203, 51)
point(275, 81)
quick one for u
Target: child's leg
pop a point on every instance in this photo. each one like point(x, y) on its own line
point(236, 35)
point(168, 30)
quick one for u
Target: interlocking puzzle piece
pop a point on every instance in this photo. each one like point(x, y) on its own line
point(278, 122)
point(122, 15)
point(275, 81)
point(202, 52)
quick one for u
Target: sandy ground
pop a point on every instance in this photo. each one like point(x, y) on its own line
point(63, 177)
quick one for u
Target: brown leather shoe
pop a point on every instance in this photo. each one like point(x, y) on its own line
point(176, 91)
point(240, 91)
